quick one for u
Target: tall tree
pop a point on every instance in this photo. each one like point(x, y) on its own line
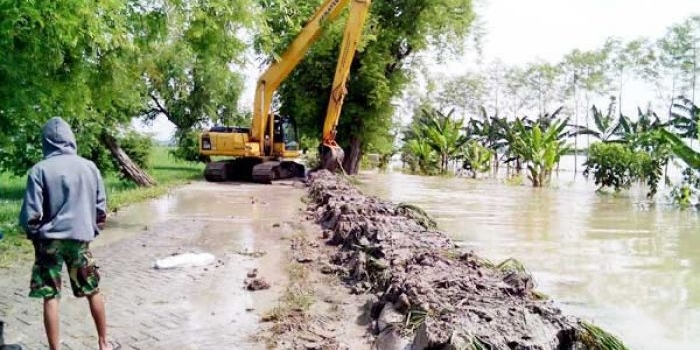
point(543, 79)
point(66, 58)
point(465, 93)
point(188, 50)
point(678, 55)
point(395, 31)
point(515, 90)
point(633, 59)
point(585, 72)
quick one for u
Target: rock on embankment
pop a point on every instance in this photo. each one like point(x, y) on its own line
point(429, 292)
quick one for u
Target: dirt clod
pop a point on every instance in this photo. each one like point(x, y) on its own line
point(257, 283)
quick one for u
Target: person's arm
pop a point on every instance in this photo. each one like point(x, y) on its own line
point(101, 204)
point(32, 211)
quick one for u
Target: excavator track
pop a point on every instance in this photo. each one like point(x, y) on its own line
point(240, 169)
point(252, 169)
point(267, 172)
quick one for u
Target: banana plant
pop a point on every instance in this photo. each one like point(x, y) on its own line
point(684, 118)
point(476, 158)
point(634, 131)
point(443, 133)
point(607, 128)
point(540, 148)
point(681, 150)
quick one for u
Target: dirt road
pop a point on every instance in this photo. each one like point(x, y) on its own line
point(188, 308)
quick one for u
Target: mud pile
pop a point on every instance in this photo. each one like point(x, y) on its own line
point(430, 294)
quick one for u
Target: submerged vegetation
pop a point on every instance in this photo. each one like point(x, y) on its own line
point(488, 106)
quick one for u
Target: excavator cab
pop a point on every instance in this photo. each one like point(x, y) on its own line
point(286, 137)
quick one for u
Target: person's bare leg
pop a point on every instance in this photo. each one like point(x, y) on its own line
point(97, 309)
point(51, 323)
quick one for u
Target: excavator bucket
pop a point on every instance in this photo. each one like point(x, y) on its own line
point(331, 157)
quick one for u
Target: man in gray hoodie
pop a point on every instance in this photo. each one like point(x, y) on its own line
point(63, 210)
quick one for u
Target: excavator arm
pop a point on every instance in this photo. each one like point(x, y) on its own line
point(351, 39)
point(278, 71)
point(258, 156)
point(331, 154)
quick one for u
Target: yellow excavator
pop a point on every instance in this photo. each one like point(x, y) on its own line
point(268, 149)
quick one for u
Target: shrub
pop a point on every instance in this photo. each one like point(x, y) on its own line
point(138, 147)
point(612, 165)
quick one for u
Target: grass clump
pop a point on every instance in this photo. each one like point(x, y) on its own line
point(417, 213)
point(595, 338)
point(166, 170)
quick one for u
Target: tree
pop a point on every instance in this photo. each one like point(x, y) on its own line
point(684, 118)
point(66, 58)
point(438, 133)
point(541, 148)
point(585, 72)
point(607, 127)
point(515, 90)
point(187, 49)
point(543, 80)
point(678, 54)
point(464, 93)
point(635, 58)
point(395, 31)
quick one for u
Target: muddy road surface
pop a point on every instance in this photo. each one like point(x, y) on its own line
point(206, 307)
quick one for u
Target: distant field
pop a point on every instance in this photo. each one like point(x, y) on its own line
point(167, 171)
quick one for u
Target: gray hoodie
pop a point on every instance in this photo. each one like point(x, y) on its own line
point(65, 196)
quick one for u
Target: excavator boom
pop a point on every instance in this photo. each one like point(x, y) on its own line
point(279, 70)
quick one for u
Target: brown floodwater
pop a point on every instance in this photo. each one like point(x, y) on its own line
point(627, 265)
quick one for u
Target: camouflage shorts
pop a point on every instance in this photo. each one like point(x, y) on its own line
point(50, 255)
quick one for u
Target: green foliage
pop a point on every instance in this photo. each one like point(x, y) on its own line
point(611, 164)
point(395, 32)
point(477, 156)
point(541, 149)
point(61, 58)
point(188, 147)
point(99, 64)
point(684, 118)
point(607, 128)
point(186, 52)
point(686, 193)
point(138, 147)
point(594, 337)
point(617, 165)
point(433, 141)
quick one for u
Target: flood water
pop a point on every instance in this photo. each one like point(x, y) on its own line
point(630, 267)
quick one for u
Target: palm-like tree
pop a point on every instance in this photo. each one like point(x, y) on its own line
point(607, 128)
point(433, 140)
point(636, 132)
point(684, 118)
point(443, 133)
point(542, 148)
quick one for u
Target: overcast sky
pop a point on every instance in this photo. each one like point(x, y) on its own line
point(520, 31)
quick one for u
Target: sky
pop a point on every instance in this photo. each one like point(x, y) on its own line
point(518, 32)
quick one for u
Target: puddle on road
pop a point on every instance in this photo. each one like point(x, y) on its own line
point(225, 219)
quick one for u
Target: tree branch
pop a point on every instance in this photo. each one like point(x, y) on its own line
point(159, 106)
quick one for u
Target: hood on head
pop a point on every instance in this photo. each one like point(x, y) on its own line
point(58, 138)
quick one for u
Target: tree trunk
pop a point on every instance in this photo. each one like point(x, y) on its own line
point(351, 163)
point(130, 169)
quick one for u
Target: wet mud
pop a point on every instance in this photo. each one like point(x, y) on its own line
point(425, 293)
